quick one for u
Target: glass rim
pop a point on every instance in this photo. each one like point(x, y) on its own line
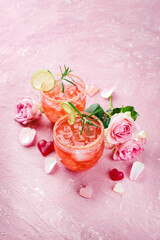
point(86, 147)
point(70, 99)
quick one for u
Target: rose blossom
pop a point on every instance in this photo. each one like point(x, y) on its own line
point(120, 129)
point(27, 110)
point(128, 150)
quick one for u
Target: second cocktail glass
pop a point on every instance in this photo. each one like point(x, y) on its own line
point(78, 152)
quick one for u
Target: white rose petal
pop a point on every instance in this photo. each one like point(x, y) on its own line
point(27, 136)
point(136, 170)
point(50, 163)
point(143, 134)
point(106, 93)
point(118, 188)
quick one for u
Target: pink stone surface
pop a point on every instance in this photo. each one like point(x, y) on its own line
point(107, 43)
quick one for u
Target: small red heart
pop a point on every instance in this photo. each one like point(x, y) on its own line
point(45, 147)
point(116, 175)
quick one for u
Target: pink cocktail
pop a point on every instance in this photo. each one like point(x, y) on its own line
point(78, 151)
point(51, 101)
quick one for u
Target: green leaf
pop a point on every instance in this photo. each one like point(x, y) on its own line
point(98, 111)
point(80, 114)
point(50, 72)
point(131, 109)
point(82, 127)
point(134, 114)
point(95, 112)
point(71, 77)
point(106, 121)
point(115, 110)
point(62, 86)
point(88, 128)
point(69, 81)
point(93, 108)
point(61, 70)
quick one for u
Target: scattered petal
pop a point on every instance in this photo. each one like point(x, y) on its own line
point(91, 90)
point(143, 136)
point(86, 192)
point(118, 188)
point(50, 163)
point(136, 170)
point(27, 136)
point(106, 93)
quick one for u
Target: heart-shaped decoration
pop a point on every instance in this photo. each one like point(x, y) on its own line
point(86, 192)
point(45, 147)
point(116, 175)
point(91, 90)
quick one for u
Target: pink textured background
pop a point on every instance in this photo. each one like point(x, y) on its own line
point(106, 42)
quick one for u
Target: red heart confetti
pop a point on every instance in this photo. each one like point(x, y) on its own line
point(45, 147)
point(116, 175)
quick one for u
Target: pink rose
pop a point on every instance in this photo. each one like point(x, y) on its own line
point(120, 129)
point(27, 110)
point(128, 150)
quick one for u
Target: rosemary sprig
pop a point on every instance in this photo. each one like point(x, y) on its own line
point(86, 119)
point(65, 74)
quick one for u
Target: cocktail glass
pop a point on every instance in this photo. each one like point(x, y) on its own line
point(78, 152)
point(51, 101)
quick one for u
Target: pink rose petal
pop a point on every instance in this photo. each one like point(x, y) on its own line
point(27, 136)
point(91, 90)
point(86, 192)
point(136, 170)
point(50, 163)
point(106, 93)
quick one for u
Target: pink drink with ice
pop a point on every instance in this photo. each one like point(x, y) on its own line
point(51, 101)
point(78, 151)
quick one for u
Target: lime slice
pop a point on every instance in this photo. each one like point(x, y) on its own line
point(45, 77)
point(69, 109)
